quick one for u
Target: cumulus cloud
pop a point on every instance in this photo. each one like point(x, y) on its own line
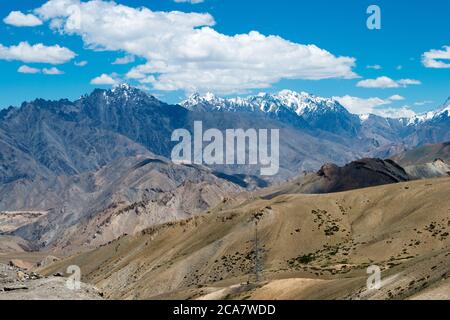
point(124, 60)
point(375, 105)
point(402, 112)
point(80, 63)
point(407, 82)
point(104, 79)
point(27, 69)
point(396, 97)
point(37, 53)
point(380, 82)
point(360, 105)
point(52, 71)
point(19, 19)
point(47, 71)
point(183, 51)
point(386, 82)
point(432, 58)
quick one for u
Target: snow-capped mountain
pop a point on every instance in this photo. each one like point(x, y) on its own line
point(72, 137)
point(301, 103)
point(313, 109)
point(296, 108)
point(441, 113)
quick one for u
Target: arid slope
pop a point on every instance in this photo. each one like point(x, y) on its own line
point(310, 246)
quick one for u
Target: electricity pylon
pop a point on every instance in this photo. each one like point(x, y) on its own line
point(257, 266)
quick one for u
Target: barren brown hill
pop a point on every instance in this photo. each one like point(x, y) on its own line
point(310, 247)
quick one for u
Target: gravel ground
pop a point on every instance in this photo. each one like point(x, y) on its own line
point(18, 284)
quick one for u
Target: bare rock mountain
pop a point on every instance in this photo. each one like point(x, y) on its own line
point(98, 166)
point(424, 154)
point(128, 195)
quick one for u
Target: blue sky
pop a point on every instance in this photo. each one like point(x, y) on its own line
point(182, 58)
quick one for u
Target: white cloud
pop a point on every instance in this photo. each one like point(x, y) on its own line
point(124, 60)
point(47, 71)
point(407, 82)
point(37, 53)
point(27, 69)
point(183, 51)
point(432, 58)
point(386, 82)
point(380, 82)
point(104, 79)
point(396, 97)
point(360, 105)
point(423, 103)
point(19, 19)
point(52, 71)
point(80, 63)
point(402, 112)
point(189, 1)
point(374, 105)
point(375, 67)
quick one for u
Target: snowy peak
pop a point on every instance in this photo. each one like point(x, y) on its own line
point(207, 102)
point(298, 109)
point(445, 108)
point(304, 102)
point(126, 91)
point(304, 105)
point(436, 115)
point(122, 94)
point(301, 103)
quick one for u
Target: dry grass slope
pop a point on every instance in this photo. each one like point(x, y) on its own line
point(311, 247)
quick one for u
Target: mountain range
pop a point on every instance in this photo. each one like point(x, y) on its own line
point(85, 172)
point(90, 183)
point(305, 110)
point(43, 138)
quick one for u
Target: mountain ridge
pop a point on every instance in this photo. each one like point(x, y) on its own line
point(302, 103)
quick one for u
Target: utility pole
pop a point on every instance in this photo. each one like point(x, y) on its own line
point(257, 266)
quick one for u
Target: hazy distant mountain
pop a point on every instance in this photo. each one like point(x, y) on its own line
point(437, 168)
point(424, 154)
